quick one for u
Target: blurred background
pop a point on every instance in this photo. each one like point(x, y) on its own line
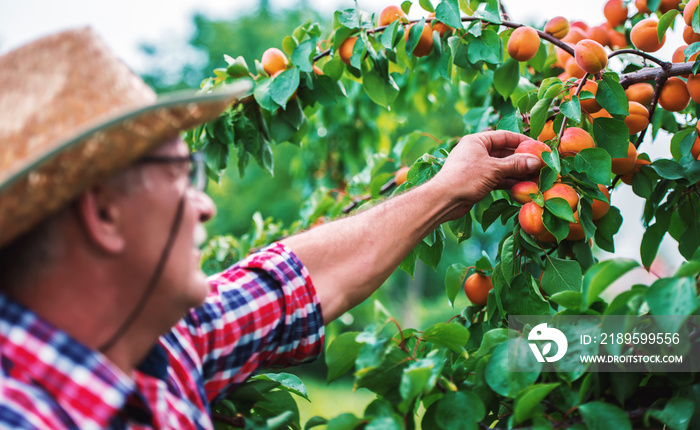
point(176, 44)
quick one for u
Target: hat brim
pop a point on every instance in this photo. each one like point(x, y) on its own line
point(43, 185)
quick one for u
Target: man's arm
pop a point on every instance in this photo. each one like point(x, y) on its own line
point(350, 258)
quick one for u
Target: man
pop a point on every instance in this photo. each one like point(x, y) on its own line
point(106, 320)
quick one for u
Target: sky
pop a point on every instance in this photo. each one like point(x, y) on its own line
point(124, 24)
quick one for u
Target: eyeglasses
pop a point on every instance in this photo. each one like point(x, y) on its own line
point(197, 175)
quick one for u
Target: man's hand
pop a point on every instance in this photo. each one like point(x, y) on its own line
point(479, 164)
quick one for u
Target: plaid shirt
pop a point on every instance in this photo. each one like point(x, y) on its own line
point(262, 311)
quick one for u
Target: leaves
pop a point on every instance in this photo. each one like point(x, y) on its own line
point(601, 275)
point(602, 416)
point(561, 275)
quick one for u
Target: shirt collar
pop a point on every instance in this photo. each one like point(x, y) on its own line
point(83, 381)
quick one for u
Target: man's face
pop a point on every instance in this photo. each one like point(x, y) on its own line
point(149, 221)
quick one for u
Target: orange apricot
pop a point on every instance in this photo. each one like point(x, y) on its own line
point(390, 14)
point(557, 27)
point(438, 26)
point(667, 5)
point(615, 12)
point(601, 114)
point(522, 190)
point(599, 207)
point(693, 86)
point(562, 57)
point(477, 287)
point(590, 56)
point(574, 140)
point(534, 147)
point(317, 70)
point(589, 105)
point(674, 95)
point(345, 49)
point(641, 92)
point(641, 6)
point(563, 191)
point(547, 132)
point(576, 230)
point(425, 42)
point(530, 219)
point(690, 36)
point(401, 175)
point(617, 39)
point(627, 177)
point(623, 165)
point(523, 43)
point(576, 34)
point(600, 34)
point(679, 56)
point(573, 69)
point(273, 61)
point(689, 11)
point(580, 24)
point(645, 37)
point(638, 119)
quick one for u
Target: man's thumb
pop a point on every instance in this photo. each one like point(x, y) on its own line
point(521, 165)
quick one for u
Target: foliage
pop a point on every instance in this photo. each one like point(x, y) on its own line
point(454, 374)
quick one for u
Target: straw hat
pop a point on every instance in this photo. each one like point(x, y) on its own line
point(71, 115)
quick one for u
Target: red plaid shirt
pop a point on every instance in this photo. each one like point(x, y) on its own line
point(263, 311)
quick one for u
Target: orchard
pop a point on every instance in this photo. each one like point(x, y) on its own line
point(592, 97)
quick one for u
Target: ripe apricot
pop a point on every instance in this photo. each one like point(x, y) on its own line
point(693, 86)
point(623, 165)
point(690, 36)
point(390, 14)
point(576, 230)
point(534, 147)
point(638, 119)
point(641, 6)
point(477, 287)
point(589, 105)
point(523, 43)
point(522, 190)
point(562, 57)
point(573, 69)
point(645, 37)
point(689, 11)
point(674, 95)
point(617, 39)
point(400, 175)
point(530, 218)
point(590, 56)
point(425, 42)
point(580, 24)
point(695, 150)
point(557, 27)
point(547, 132)
point(547, 238)
point(667, 5)
point(345, 50)
point(615, 12)
point(600, 34)
point(273, 61)
point(600, 208)
point(574, 140)
point(641, 92)
point(563, 191)
point(438, 26)
point(317, 70)
point(576, 34)
point(627, 178)
point(601, 114)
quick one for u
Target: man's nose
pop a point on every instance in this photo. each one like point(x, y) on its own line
point(204, 205)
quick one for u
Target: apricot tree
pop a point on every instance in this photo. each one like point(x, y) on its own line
point(588, 100)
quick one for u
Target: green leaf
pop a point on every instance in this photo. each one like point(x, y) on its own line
point(672, 296)
point(560, 208)
point(572, 109)
point(604, 416)
point(381, 89)
point(454, 281)
point(608, 226)
point(561, 275)
point(539, 115)
point(486, 48)
point(451, 336)
point(462, 227)
point(341, 354)
point(263, 95)
point(345, 421)
point(302, 55)
point(491, 339)
point(665, 22)
point(420, 377)
point(348, 18)
point(668, 169)
point(521, 298)
point(499, 375)
point(315, 421)
point(448, 12)
point(601, 275)
point(426, 5)
point(530, 399)
point(676, 414)
point(284, 85)
point(612, 135)
point(506, 78)
point(512, 122)
point(414, 35)
point(651, 239)
point(611, 96)
point(491, 13)
point(460, 410)
point(596, 163)
point(288, 382)
point(568, 299)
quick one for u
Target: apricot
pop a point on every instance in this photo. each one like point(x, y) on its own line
point(667, 5)
point(589, 105)
point(580, 24)
point(557, 27)
point(345, 49)
point(641, 6)
point(674, 95)
point(617, 39)
point(530, 219)
point(689, 11)
point(576, 230)
point(547, 132)
point(522, 190)
point(693, 86)
point(523, 43)
point(615, 12)
point(638, 119)
point(574, 140)
point(641, 93)
point(623, 165)
point(477, 287)
point(601, 114)
point(401, 175)
point(390, 14)
point(627, 177)
point(563, 191)
point(438, 26)
point(576, 34)
point(690, 36)
point(562, 57)
point(273, 61)
point(425, 42)
point(590, 56)
point(547, 238)
point(573, 70)
point(534, 147)
point(317, 70)
point(695, 150)
point(645, 37)
point(679, 56)
point(599, 207)
point(600, 34)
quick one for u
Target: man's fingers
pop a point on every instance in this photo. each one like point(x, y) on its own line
point(500, 141)
point(518, 165)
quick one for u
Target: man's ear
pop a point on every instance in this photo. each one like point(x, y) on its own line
point(101, 219)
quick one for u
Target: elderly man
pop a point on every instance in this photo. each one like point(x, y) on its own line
point(106, 320)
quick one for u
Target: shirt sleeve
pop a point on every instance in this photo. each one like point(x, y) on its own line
point(261, 312)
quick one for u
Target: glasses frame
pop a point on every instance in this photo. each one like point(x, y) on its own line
point(197, 175)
